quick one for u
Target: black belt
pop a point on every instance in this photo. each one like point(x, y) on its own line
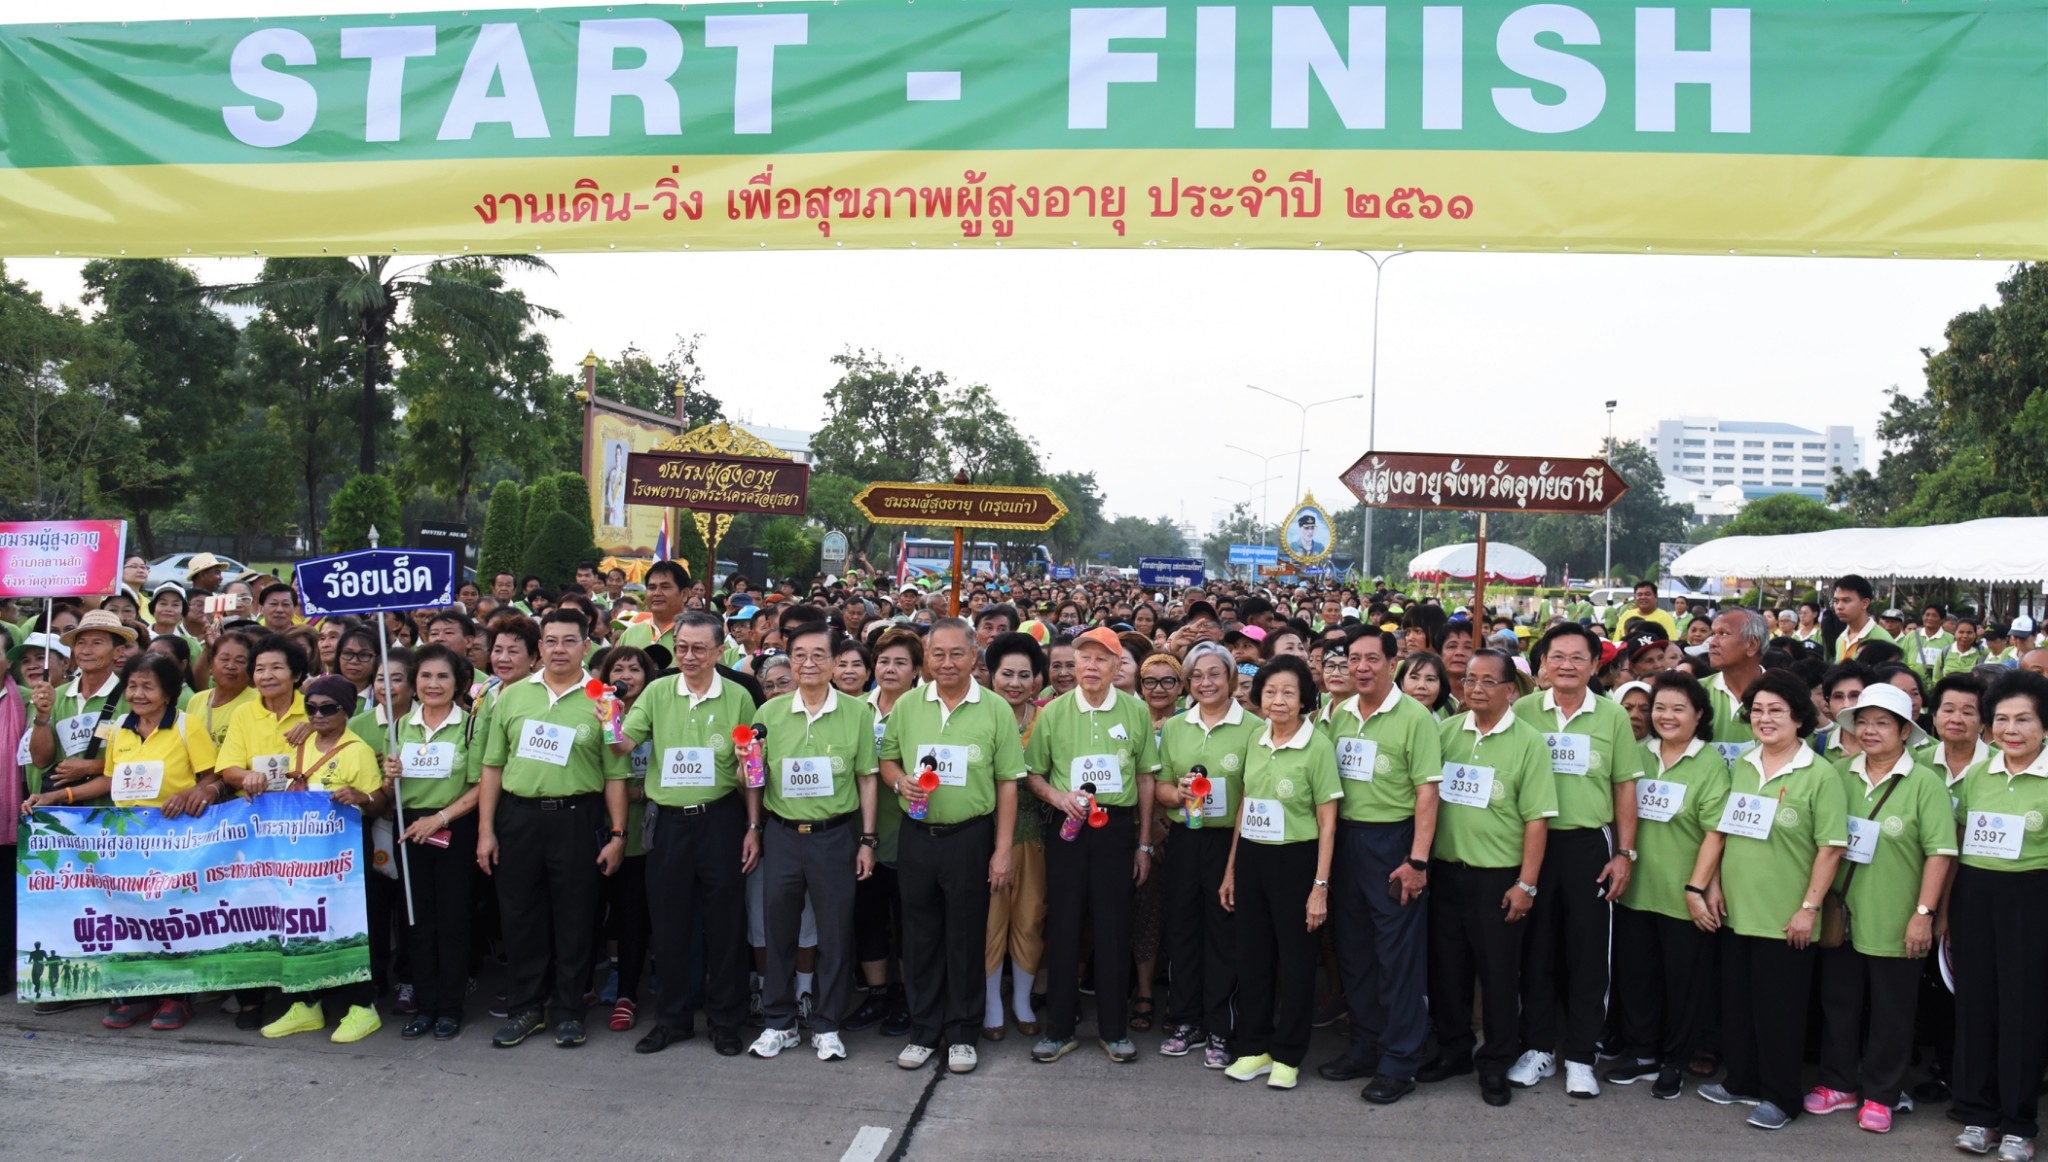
point(694, 808)
point(813, 826)
point(564, 803)
point(935, 830)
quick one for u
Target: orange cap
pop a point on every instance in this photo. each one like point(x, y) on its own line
point(1102, 636)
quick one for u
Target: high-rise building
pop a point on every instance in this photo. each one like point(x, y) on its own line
point(1761, 458)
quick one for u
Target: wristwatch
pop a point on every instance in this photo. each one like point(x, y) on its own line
point(1146, 848)
point(1529, 888)
point(1806, 907)
point(615, 833)
point(1421, 865)
point(870, 840)
point(1322, 883)
point(1922, 910)
point(1630, 853)
point(756, 826)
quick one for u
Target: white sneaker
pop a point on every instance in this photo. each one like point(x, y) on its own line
point(914, 1056)
point(1532, 1067)
point(1579, 1080)
point(829, 1046)
point(961, 1059)
point(773, 1041)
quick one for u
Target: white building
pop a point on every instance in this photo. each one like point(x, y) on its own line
point(794, 442)
point(1759, 458)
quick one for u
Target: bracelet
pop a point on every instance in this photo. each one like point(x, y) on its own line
point(445, 821)
point(1696, 891)
point(70, 795)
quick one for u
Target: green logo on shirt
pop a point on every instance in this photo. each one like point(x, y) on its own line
point(1231, 762)
point(1284, 788)
point(973, 752)
point(1595, 761)
point(1894, 826)
point(2033, 821)
point(1382, 765)
point(1123, 759)
point(1788, 815)
point(838, 764)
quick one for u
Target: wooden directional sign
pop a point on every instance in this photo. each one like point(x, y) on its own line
point(1430, 480)
point(972, 506)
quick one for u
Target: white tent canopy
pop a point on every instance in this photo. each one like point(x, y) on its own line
point(1505, 564)
point(1996, 551)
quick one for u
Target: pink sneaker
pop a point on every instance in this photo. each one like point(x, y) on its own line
point(1826, 1101)
point(1875, 1118)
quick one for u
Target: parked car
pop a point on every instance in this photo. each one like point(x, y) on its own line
point(174, 568)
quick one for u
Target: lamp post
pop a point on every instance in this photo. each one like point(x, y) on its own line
point(1372, 408)
point(1608, 572)
point(1248, 487)
point(1301, 447)
point(1265, 464)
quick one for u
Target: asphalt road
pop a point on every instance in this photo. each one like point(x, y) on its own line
point(72, 1089)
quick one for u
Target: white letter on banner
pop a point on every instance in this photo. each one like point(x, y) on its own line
point(1215, 68)
point(599, 81)
point(1723, 67)
point(386, 48)
point(1443, 68)
point(1585, 90)
point(753, 88)
point(296, 94)
point(499, 53)
point(1302, 45)
point(1092, 68)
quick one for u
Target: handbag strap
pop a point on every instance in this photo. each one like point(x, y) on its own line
point(1893, 785)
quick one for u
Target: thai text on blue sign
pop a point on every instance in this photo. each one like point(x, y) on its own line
point(1255, 554)
point(376, 581)
point(1063, 572)
point(1170, 571)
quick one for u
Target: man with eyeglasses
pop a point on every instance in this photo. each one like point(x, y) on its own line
point(1595, 761)
point(701, 831)
point(551, 815)
point(1498, 798)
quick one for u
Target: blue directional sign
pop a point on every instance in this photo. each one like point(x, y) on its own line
point(376, 581)
point(1170, 571)
point(1063, 572)
point(1255, 554)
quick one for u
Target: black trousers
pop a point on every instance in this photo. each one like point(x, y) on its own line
point(1088, 879)
point(1764, 989)
point(1382, 947)
point(1866, 1022)
point(548, 889)
point(1200, 941)
point(1276, 953)
point(1998, 925)
point(626, 922)
point(820, 866)
point(878, 916)
point(438, 940)
point(1564, 956)
point(1471, 941)
point(692, 876)
point(1660, 986)
point(943, 879)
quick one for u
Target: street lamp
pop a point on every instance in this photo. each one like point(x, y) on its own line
point(1604, 454)
point(1302, 444)
point(1265, 464)
point(1248, 486)
point(1372, 411)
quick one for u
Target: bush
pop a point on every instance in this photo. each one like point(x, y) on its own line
point(361, 504)
point(572, 494)
point(541, 499)
point(552, 556)
point(499, 552)
point(686, 546)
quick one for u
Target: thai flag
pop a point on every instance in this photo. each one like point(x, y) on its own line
point(661, 539)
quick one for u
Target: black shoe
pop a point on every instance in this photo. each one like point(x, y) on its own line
point(661, 1037)
point(517, 1028)
point(1440, 1069)
point(417, 1026)
point(1493, 1089)
point(1630, 1072)
point(1932, 1091)
point(897, 1023)
point(568, 1034)
point(1670, 1083)
point(249, 1017)
point(1385, 1091)
point(52, 1008)
point(1342, 1068)
point(866, 1017)
point(447, 1028)
point(726, 1042)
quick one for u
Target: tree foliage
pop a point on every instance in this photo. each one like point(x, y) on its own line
point(1127, 538)
point(365, 502)
point(552, 556)
point(60, 416)
point(1786, 512)
point(541, 498)
point(503, 528)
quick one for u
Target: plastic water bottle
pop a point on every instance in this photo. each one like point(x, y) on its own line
point(927, 781)
point(1198, 794)
point(1070, 826)
point(747, 740)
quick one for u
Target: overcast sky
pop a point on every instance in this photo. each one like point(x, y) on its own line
point(1133, 364)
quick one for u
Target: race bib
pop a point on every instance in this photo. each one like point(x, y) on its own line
point(546, 742)
point(806, 778)
point(276, 770)
point(1930, 655)
point(21, 758)
point(1100, 769)
point(637, 761)
point(426, 760)
point(1467, 785)
point(1749, 816)
point(1862, 840)
point(1730, 751)
point(688, 766)
point(1355, 758)
point(1570, 754)
point(1263, 820)
point(1993, 836)
point(952, 763)
point(881, 728)
point(1658, 800)
point(1216, 804)
point(73, 733)
point(137, 781)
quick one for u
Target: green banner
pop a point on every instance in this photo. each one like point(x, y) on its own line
point(1782, 127)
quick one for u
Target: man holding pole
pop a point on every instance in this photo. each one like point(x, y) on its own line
point(70, 727)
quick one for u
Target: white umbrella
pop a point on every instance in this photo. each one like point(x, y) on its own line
point(1505, 564)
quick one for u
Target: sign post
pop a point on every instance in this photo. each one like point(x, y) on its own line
point(963, 506)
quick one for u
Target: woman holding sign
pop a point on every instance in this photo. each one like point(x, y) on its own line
point(1286, 834)
point(1998, 918)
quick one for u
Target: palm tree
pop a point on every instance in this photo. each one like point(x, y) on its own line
point(361, 297)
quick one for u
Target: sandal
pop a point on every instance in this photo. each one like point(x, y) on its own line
point(1704, 1064)
point(623, 1015)
point(1141, 1014)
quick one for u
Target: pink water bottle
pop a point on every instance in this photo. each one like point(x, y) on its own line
point(1071, 827)
point(927, 781)
point(747, 740)
point(1198, 794)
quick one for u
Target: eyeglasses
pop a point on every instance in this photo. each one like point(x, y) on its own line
point(322, 709)
point(359, 655)
point(1472, 683)
point(1158, 683)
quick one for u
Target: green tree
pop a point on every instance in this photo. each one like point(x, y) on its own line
point(60, 419)
point(235, 481)
point(1777, 515)
point(792, 548)
point(572, 492)
point(552, 556)
point(503, 527)
point(1643, 519)
point(1127, 538)
point(1083, 498)
point(305, 383)
point(365, 502)
point(1241, 527)
point(637, 379)
point(977, 435)
point(542, 497)
point(361, 299)
point(687, 546)
point(1988, 382)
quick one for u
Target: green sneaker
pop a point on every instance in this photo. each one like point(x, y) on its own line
point(302, 1017)
point(1283, 1076)
point(1049, 1050)
point(1247, 1068)
point(361, 1021)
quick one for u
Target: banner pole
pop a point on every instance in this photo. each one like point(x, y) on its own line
point(391, 748)
point(959, 547)
point(49, 607)
point(1479, 590)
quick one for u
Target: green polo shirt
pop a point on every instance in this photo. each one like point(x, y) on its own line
point(564, 749)
point(1284, 784)
point(686, 729)
point(1732, 734)
point(74, 716)
point(1917, 823)
point(1955, 661)
point(889, 808)
point(641, 634)
point(437, 765)
point(1590, 752)
point(1924, 650)
point(1676, 806)
point(1514, 763)
point(1935, 756)
point(1765, 879)
point(1872, 632)
point(976, 745)
point(1383, 756)
point(1186, 743)
point(369, 727)
point(1073, 743)
point(1987, 789)
point(814, 760)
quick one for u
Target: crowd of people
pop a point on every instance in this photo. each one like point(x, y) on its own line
point(1674, 846)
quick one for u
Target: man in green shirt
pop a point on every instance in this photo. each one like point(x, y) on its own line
point(1852, 605)
point(1926, 642)
point(551, 815)
point(1595, 760)
point(1092, 736)
point(1389, 760)
point(701, 829)
point(1736, 650)
point(666, 581)
point(72, 725)
point(949, 861)
point(819, 755)
point(1498, 799)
